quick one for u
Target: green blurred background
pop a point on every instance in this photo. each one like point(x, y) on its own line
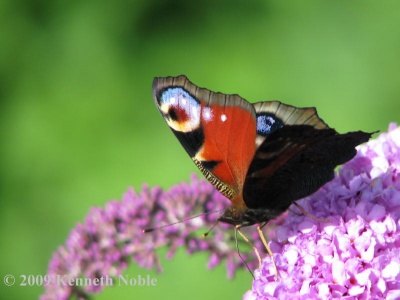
point(78, 125)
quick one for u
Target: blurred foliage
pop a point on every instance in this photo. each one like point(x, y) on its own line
point(78, 125)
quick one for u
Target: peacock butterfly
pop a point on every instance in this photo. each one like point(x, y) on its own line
point(262, 156)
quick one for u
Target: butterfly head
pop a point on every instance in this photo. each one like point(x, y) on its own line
point(243, 217)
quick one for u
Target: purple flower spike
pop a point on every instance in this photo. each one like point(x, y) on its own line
point(356, 255)
point(110, 238)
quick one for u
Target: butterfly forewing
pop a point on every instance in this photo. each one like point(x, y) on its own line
point(217, 130)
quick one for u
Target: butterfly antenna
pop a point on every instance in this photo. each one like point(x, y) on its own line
point(208, 232)
point(151, 229)
point(238, 251)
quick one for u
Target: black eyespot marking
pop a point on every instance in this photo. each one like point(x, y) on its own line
point(210, 164)
point(172, 114)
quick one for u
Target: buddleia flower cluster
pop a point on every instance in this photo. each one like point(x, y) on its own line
point(356, 254)
point(112, 237)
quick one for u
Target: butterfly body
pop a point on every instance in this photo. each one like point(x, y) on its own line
point(262, 156)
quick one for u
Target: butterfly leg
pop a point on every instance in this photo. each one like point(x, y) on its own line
point(237, 229)
point(295, 212)
point(264, 241)
point(305, 213)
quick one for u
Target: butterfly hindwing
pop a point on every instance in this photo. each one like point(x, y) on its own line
point(272, 115)
point(294, 162)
